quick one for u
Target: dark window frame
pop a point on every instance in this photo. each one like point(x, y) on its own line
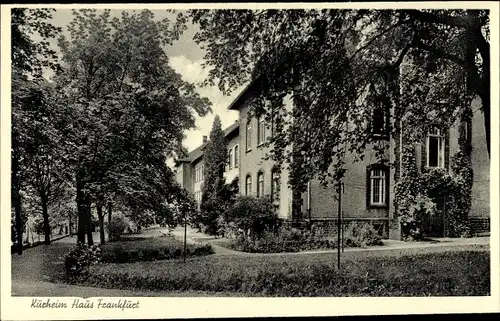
point(369, 186)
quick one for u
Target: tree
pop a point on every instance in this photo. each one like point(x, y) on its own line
point(28, 59)
point(46, 175)
point(327, 61)
point(129, 108)
point(215, 158)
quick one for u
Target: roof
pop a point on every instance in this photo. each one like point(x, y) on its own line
point(197, 153)
point(238, 101)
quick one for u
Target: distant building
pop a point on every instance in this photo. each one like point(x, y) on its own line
point(190, 170)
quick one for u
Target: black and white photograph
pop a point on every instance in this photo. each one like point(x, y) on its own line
point(237, 152)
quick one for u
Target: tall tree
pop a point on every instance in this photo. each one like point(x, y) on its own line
point(129, 107)
point(28, 59)
point(45, 160)
point(214, 160)
point(326, 61)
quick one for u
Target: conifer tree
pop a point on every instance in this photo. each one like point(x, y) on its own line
point(212, 202)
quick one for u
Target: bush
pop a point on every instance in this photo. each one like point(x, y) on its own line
point(283, 240)
point(116, 228)
point(251, 216)
point(361, 235)
point(287, 239)
point(420, 208)
point(79, 258)
point(151, 249)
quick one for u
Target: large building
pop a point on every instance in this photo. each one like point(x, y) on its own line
point(368, 194)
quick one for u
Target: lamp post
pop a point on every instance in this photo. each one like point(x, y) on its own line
point(339, 223)
point(185, 235)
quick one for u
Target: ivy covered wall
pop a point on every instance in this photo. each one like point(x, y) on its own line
point(418, 187)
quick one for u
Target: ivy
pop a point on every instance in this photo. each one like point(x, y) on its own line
point(415, 191)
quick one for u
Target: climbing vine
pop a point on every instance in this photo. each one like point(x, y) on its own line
point(416, 191)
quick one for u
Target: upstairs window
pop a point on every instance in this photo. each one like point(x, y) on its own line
point(435, 148)
point(261, 132)
point(249, 135)
point(236, 156)
point(230, 156)
point(380, 128)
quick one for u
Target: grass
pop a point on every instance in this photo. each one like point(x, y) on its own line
point(149, 249)
point(40, 263)
point(452, 273)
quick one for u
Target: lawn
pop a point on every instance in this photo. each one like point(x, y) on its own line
point(450, 273)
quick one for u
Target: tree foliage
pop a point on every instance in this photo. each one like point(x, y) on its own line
point(104, 128)
point(334, 64)
point(28, 60)
point(214, 160)
point(129, 108)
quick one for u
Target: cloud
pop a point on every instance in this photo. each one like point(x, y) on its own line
point(192, 71)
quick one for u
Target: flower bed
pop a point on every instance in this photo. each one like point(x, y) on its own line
point(150, 249)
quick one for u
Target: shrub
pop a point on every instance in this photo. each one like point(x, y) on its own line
point(361, 235)
point(287, 239)
point(116, 228)
point(79, 258)
point(251, 216)
point(150, 249)
point(419, 208)
point(282, 240)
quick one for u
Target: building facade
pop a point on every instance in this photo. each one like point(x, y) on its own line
point(368, 185)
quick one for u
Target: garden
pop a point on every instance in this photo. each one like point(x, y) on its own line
point(449, 273)
point(136, 262)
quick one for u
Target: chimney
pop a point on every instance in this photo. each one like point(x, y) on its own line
point(205, 139)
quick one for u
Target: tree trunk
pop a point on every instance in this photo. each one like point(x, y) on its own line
point(485, 100)
point(110, 209)
point(16, 200)
point(101, 223)
point(90, 240)
point(19, 222)
point(69, 224)
point(80, 203)
point(46, 224)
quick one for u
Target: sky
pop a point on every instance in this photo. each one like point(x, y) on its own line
point(186, 58)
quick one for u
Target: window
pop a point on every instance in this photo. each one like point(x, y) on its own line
point(198, 173)
point(248, 185)
point(260, 184)
point(378, 186)
point(230, 155)
point(261, 131)
point(275, 185)
point(249, 135)
point(236, 156)
point(380, 122)
point(435, 148)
